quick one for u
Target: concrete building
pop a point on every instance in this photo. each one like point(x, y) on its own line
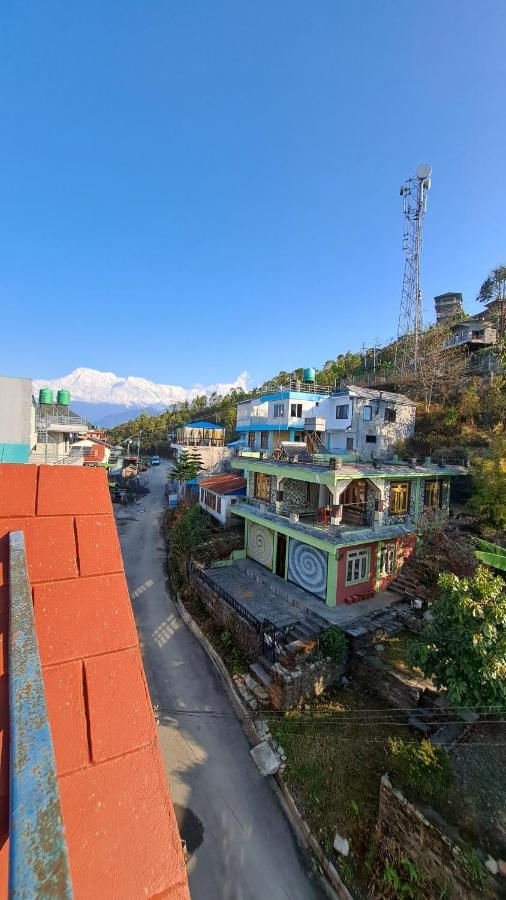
point(355, 420)
point(448, 306)
point(57, 427)
point(473, 334)
point(206, 438)
point(219, 493)
point(341, 531)
point(17, 419)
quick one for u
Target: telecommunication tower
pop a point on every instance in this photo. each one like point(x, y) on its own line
point(414, 196)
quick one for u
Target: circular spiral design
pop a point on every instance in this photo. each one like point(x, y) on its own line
point(307, 567)
point(260, 544)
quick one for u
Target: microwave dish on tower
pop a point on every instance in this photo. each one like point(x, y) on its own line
point(414, 194)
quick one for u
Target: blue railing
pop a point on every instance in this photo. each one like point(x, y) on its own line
point(38, 859)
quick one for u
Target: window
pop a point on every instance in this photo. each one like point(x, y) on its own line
point(399, 498)
point(370, 438)
point(387, 559)
point(296, 410)
point(218, 505)
point(357, 566)
point(264, 440)
point(262, 486)
point(279, 410)
point(477, 334)
point(202, 494)
point(251, 439)
point(343, 411)
point(349, 443)
point(367, 413)
point(390, 414)
point(433, 494)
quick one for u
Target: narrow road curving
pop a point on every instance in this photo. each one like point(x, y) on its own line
point(240, 845)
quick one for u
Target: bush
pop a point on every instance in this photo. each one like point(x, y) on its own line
point(424, 770)
point(333, 643)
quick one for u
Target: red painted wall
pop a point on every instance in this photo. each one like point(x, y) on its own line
point(345, 591)
point(405, 547)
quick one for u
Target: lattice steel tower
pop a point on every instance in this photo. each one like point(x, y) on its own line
point(414, 195)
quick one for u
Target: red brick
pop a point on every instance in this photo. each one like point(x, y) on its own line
point(4, 846)
point(83, 617)
point(121, 831)
point(65, 704)
point(72, 490)
point(120, 712)
point(50, 546)
point(4, 737)
point(18, 488)
point(98, 546)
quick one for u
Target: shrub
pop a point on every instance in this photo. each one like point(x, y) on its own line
point(333, 643)
point(424, 770)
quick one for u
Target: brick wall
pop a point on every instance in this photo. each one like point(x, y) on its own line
point(119, 821)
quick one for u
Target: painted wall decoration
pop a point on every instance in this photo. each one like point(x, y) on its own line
point(260, 544)
point(307, 567)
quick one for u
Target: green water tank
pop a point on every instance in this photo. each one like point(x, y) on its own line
point(63, 398)
point(45, 396)
point(310, 375)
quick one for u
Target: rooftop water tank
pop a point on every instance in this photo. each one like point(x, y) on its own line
point(63, 398)
point(45, 396)
point(310, 375)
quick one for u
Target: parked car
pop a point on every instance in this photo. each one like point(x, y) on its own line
point(155, 460)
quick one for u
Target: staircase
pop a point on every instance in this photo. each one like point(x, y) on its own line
point(409, 584)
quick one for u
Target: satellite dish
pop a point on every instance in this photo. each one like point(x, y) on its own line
point(424, 171)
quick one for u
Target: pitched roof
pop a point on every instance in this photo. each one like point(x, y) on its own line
point(223, 484)
point(374, 394)
point(120, 825)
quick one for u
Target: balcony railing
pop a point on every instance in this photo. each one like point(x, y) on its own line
point(353, 514)
point(38, 859)
point(45, 419)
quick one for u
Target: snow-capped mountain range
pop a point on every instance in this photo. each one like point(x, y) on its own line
point(108, 399)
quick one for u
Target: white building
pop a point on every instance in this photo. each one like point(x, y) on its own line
point(218, 494)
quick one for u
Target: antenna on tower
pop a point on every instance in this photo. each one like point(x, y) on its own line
point(414, 195)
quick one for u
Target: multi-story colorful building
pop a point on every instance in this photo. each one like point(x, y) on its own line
point(347, 420)
point(340, 530)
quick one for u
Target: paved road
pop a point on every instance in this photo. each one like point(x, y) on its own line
point(240, 844)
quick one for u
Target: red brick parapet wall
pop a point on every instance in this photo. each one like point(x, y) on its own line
point(120, 826)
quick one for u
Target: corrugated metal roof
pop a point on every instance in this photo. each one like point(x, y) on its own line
point(223, 484)
point(373, 394)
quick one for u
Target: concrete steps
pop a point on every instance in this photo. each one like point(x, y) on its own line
point(263, 677)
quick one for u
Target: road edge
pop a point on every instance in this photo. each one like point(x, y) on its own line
point(283, 793)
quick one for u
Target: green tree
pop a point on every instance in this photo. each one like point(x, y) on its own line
point(464, 645)
point(187, 466)
point(489, 482)
point(185, 532)
point(493, 294)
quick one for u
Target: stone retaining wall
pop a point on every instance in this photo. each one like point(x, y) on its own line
point(289, 688)
point(249, 640)
point(427, 845)
point(372, 675)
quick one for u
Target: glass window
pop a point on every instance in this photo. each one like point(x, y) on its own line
point(349, 443)
point(387, 559)
point(251, 439)
point(279, 410)
point(218, 505)
point(399, 498)
point(390, 415)
point(367, 413)
point(264, 440)
point(296, 410)
point(262, 486)
point(357, 565)
point(370, 438)
point(343, 411)
point(432, 495)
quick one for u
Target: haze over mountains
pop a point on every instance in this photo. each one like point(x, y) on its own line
point(108, 399)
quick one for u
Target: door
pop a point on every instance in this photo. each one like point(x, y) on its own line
point(281, 556)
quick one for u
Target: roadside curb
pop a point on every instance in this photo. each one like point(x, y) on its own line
point(297, 821)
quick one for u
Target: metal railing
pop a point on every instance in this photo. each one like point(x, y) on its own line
point(231, 601)
point(38, 858)
point(44, 419)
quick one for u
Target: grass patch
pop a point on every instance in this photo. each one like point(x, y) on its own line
point(395, 655)
point(220, 638)
point(336, 754)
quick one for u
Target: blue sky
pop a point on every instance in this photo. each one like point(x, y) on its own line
point(192, 189)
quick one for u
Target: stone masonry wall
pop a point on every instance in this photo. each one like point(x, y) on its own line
point(245, 635)
point(428, 846)
point(289, 688)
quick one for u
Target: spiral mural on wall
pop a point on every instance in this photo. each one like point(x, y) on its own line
point(307, 567)
point(260, 544)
